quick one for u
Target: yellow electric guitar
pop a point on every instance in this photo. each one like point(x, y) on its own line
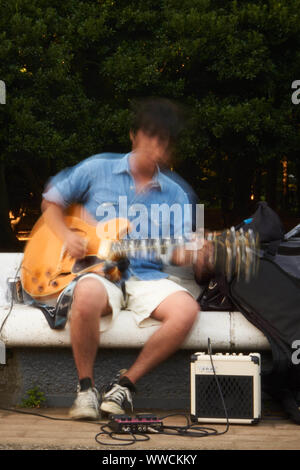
point(47, 267)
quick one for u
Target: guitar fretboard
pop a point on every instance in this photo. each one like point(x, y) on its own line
point(237, 251)
point(153, 249)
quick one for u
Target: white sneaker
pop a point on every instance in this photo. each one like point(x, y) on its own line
point(116, 400)
point(86, 404)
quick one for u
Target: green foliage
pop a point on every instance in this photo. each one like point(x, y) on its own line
point(73, 68)
point(35, 398)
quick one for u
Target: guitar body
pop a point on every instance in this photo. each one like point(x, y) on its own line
point(47, 268)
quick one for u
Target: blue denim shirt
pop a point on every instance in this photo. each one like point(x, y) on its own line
point(106, 188)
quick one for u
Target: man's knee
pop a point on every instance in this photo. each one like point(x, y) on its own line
point(188, 311)
point(90, 298)
point(180, 308)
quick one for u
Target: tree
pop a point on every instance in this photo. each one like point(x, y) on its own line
point(47, 119)
point(73, 68)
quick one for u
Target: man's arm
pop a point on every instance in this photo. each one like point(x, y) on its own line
point(54, 218)
point(68, 187)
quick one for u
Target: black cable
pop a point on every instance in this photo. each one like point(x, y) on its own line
point(9, 312)
point(12, 299)
point(219, 388)
point(186, 430)
point(32, 413)
point(128, 441)
point(177, 414)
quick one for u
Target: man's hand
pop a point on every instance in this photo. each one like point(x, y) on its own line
point(204, 264)
point(201, 259)
point(75, 245)
point(181, 256)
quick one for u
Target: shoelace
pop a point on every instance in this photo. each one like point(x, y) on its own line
point(118, 394)
point(106, 388)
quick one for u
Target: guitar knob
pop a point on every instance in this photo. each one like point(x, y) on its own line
point(40, 288)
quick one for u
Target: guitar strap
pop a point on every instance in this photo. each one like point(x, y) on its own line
point(57, 315)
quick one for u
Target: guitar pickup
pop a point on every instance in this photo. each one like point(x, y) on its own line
point(85, 263)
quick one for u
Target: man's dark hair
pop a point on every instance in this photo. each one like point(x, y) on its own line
point(157, 117)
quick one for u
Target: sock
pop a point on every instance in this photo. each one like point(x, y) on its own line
point(126, 382)
point(85, 384)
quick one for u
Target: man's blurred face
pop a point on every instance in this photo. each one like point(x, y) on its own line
point(150, 150)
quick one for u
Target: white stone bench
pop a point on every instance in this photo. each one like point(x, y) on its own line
point(26, 326)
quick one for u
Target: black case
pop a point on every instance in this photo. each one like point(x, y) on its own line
point(271, 302)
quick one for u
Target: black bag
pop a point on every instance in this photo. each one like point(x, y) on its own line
point(214, 297)
point(271, 302)
point(268, 225)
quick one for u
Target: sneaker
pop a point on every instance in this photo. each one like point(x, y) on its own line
point(86, 404)
point(116, 398)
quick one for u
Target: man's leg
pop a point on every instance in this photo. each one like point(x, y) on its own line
point(90, 301)
point(177, 314)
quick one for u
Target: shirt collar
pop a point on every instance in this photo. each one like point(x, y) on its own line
point(122, 166)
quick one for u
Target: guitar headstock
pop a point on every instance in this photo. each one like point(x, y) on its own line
point(235, 253)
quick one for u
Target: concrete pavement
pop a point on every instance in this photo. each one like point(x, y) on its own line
point(18, 431)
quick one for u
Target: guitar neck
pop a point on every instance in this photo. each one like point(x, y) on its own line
point(233, 251)
point(153, 249)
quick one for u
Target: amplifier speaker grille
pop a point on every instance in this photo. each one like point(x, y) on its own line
point(237, 393)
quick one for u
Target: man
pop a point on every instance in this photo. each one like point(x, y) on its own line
point(99, 183)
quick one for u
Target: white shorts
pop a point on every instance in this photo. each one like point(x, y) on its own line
point(142, 298)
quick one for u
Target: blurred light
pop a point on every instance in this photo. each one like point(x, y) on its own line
point(23, 236)
point(13, 220)
point(284, 175)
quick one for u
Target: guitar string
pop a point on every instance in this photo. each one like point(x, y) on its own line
point(239, 262)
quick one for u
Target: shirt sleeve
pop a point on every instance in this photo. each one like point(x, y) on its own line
point(69, 186)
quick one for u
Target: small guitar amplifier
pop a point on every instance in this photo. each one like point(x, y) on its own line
point(239, 382)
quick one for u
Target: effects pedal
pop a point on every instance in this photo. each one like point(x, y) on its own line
point(141, 423)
